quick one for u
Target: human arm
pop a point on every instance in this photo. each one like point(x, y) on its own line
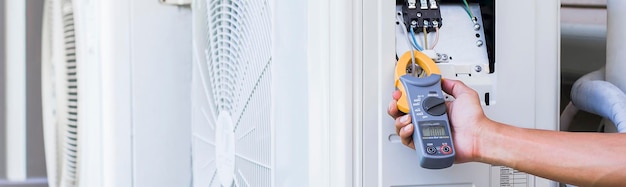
point(584, 159)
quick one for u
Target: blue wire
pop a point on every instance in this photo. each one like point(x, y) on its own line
point(417, 46)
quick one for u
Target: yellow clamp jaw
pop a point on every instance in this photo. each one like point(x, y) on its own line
point(427, 64)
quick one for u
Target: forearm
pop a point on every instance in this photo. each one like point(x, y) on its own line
point(585, 159)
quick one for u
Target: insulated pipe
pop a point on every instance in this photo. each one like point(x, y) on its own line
point(616, 43)
point(606, 98)
point(15, 108)
point(592, 94)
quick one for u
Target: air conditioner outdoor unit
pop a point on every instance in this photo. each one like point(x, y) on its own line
point(308, 106)
point(116, 87)
point(261, 92)
point(255, 96)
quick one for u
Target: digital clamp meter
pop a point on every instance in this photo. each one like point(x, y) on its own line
point(424, 100)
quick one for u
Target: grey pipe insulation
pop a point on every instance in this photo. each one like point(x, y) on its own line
point(593, 94)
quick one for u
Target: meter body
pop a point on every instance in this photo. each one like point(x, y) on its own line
point(432, 134)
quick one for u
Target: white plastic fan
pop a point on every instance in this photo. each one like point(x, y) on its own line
point(70, 93)
point(59, 81)
point(231, 124)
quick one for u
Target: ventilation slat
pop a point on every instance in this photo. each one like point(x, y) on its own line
point(71, 141)
point(70, 52)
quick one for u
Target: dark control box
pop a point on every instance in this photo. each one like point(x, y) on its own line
point(422, 13)
point(432, 135)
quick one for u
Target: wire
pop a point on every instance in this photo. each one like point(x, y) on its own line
point(468, 10)
point(425, 37)
point(400, 19)
point(417, 46)
point(436, 38)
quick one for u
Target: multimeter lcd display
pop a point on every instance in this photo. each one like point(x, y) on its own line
point(433, 128)
point(434, 131)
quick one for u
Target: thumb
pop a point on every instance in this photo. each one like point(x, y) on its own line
point(455, 87)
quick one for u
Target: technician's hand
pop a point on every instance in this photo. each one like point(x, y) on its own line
point(465, 114)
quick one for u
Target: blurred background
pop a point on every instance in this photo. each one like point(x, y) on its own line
point(35, 165)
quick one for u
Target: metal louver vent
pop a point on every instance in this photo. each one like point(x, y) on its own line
point(70, 141)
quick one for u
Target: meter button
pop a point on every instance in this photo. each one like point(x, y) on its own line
point(434, 106)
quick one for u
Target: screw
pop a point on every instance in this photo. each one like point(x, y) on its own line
point(476, 27)
point(443, 57)
point(479, 43)
point(478, 69)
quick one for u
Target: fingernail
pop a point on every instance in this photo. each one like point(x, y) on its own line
point(407, 128)
point(404, 118)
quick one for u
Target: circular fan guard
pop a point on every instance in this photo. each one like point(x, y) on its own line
point(231, 93)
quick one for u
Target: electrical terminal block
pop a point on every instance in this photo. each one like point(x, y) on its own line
point(412, 4)
point(427, 16)
point(433, 4)
point(424, 4)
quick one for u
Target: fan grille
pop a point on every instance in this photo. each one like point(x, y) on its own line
point(69, 153)
point(232, 77)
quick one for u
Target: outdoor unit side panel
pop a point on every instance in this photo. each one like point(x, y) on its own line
point(161, 77)
point(371, 88)
point(116, 93)
point(289, 78)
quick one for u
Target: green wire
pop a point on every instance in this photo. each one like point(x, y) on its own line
point(467, 9)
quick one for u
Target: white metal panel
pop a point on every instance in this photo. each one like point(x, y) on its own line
point(333, 46)
point(116, 93)
point(290, 93)
point(319, 92)
point(527, 67)
point(615, 55)
point(15, 90)
point(161, 88)
point(89, 151)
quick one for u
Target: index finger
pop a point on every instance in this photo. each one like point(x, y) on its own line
point(393, 106)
